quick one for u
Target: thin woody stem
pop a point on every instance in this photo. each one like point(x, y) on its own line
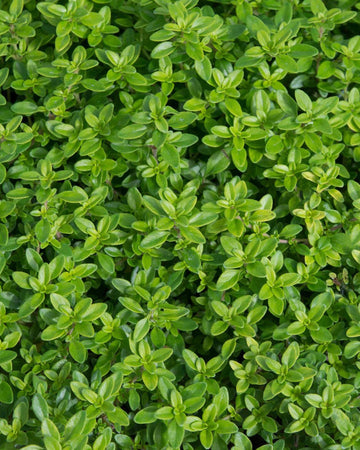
point(281, 241)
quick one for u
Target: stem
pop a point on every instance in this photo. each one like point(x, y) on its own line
point(281, 241)
point(154, 152)
point(225, 154)
point(296, 443)
point(337, 227)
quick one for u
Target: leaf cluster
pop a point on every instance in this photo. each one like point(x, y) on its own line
point(179, 224)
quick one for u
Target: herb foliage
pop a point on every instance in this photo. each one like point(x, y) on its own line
point(179, 224)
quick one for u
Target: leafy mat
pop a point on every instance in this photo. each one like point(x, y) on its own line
point(179, 224)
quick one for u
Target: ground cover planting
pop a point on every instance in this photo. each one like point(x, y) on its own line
point(179, 224)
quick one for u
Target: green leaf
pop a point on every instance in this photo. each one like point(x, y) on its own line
point(7, 356)
point(51, 333)
point(150, 380)
point(2, 171)
point(303, 100)
point(91, 84)
point(291, 354)
point(286, 103)
point(163, 49)
point(49, 429)
point(175, 434)
point(242, 442)
point(40, 407)
point(146, 415)
point(342, 422)
point(192, 259)
point(288, 279)
point(93, 311)
point(4, 234)
point(161, 355)
point(19, 194)
point(77, 195)
point(295, 411)
point(352, 349)
point(203, 68)
point(217, 163)
point(326, 70)
point(206, 438)
point(6, 393)
point(78, 351)
point(218, 328)
point(141, 329)
point(290, 231)
point(194, 50)
point(321, 335)
point(227, 280)
point(256, 269)
point(287, 63)
point(42, 230)
point(276, 306)
point(317, 7)
point(154, 239)
point(131, 305)
point(226, 427)
point(133, 131)
point(106, 262)
point(314, 399)
point(182, 120)
point(303, 51)
point(119, 416)
point(193, 234)
point(353, 189)
point(170, 155)
point(25, 108)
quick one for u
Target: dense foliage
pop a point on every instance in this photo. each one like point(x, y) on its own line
point(179, 224)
